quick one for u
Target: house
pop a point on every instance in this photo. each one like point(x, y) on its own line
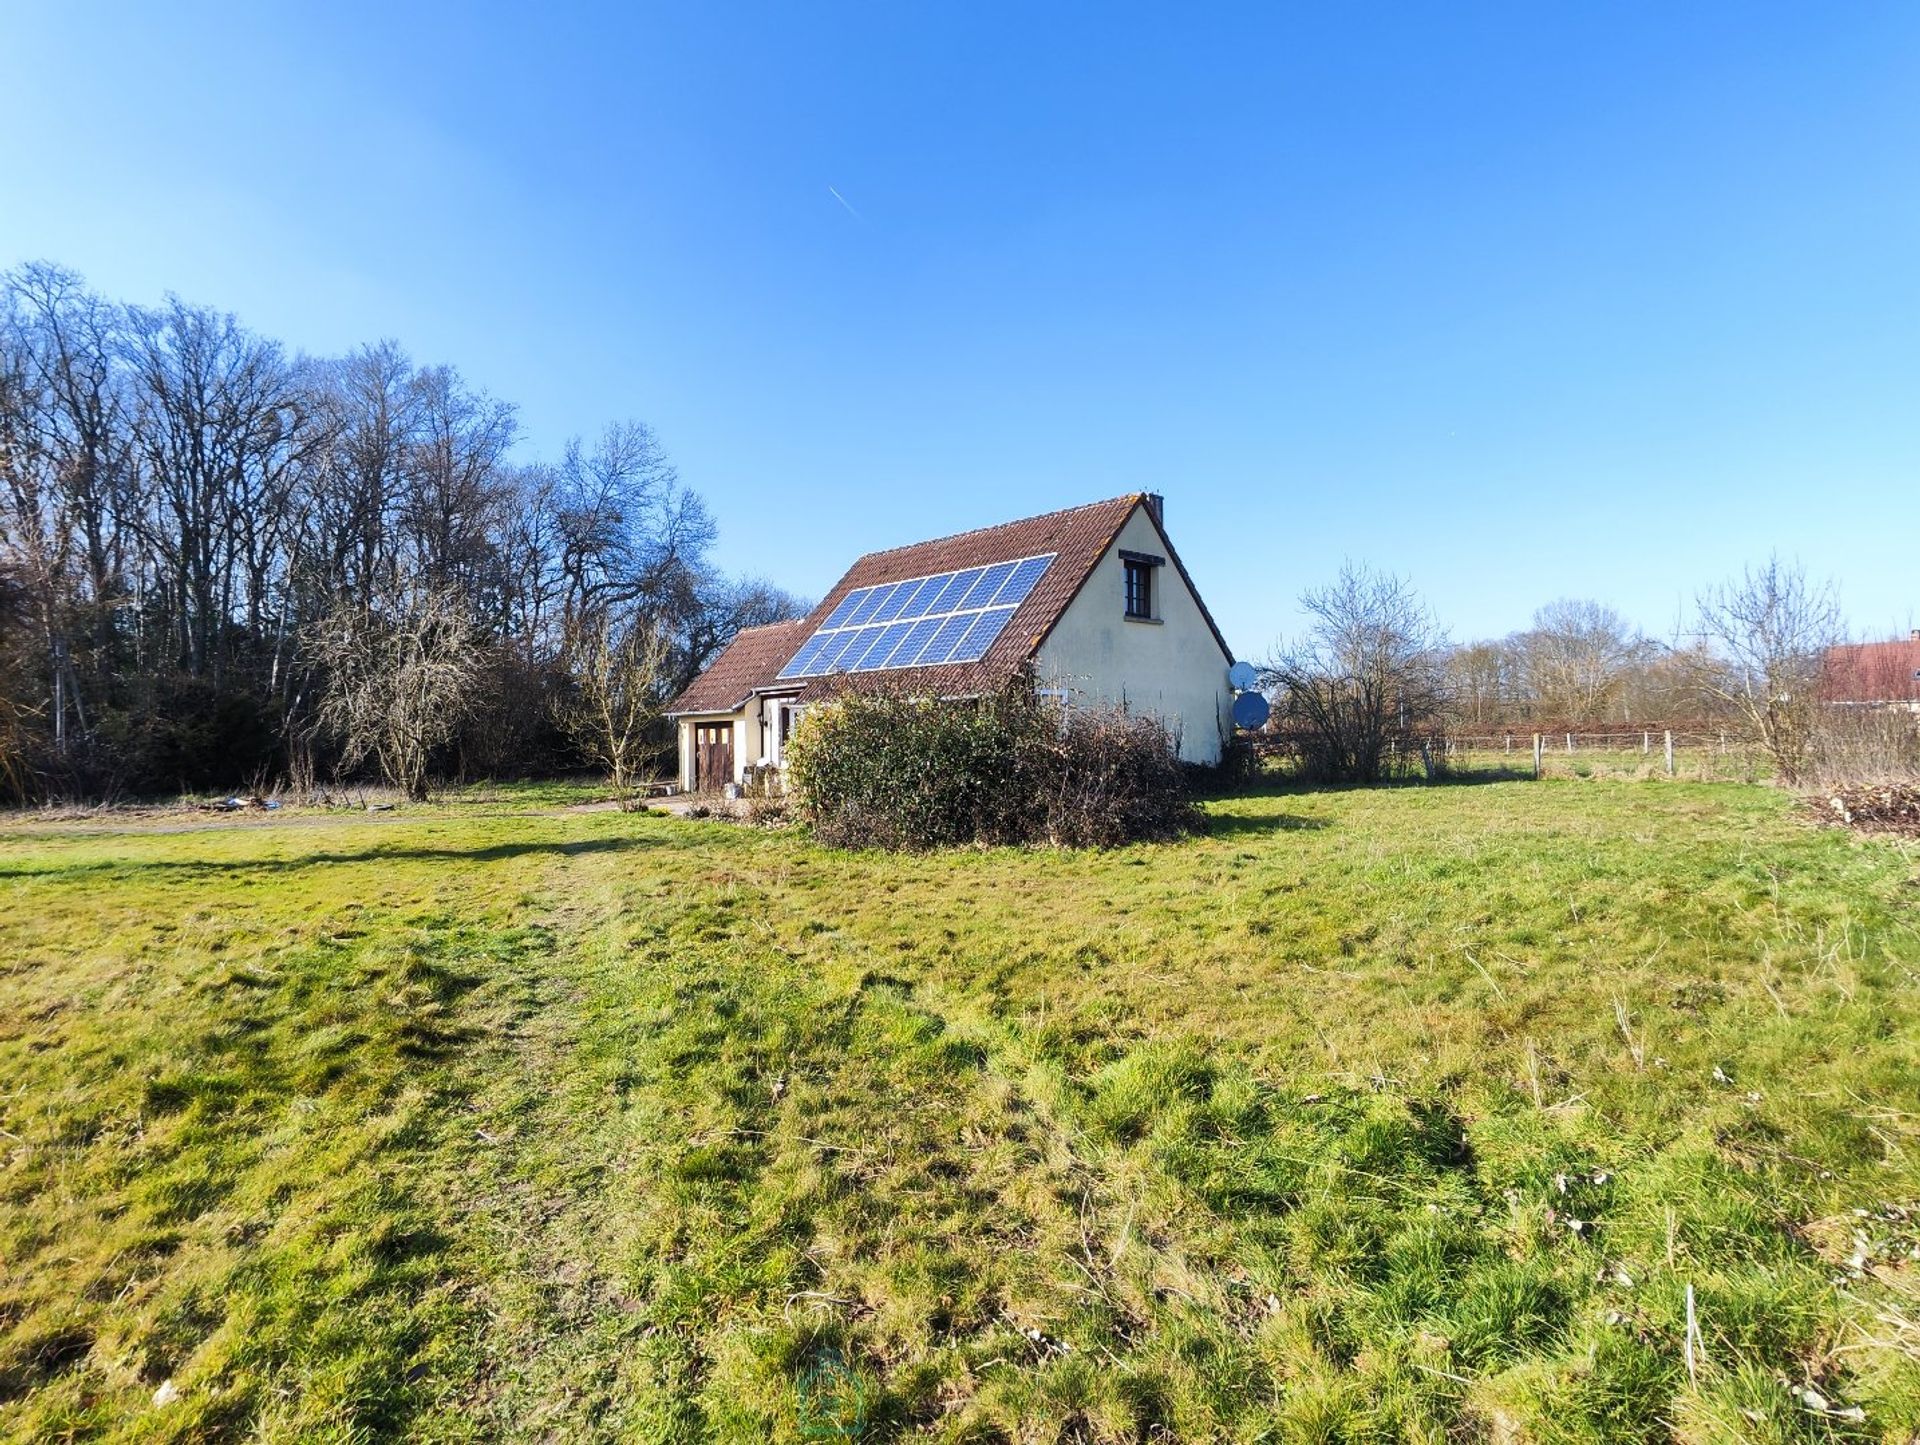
point(1094, 599)
point(1873, 674)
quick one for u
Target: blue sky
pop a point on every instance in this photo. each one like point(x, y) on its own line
point(1525, 301)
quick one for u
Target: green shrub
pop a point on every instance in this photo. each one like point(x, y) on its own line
point(885, 771)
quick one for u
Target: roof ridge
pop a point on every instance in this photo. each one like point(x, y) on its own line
point(998, 526)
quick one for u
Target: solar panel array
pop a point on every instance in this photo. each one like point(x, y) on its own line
point(920, 622)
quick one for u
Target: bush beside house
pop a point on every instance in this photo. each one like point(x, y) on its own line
point(885, 771)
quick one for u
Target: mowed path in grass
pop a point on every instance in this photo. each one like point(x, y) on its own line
point(1409, 1114)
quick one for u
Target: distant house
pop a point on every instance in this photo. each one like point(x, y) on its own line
point(1874, 674)
point(1094, 599)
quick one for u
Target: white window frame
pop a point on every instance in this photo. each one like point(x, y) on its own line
point(782, 708)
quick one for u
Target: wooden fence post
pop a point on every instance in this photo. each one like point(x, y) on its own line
point(1569, 742)
point(1539, 748)
point(1646, 744)
point(1669, 752)
point(1509, 742)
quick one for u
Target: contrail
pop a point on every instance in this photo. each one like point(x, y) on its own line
point(843, 201)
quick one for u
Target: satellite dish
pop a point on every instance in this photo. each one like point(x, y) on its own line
point(1242, 676)
point(1249, 710)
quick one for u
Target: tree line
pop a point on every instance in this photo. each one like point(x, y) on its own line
point(1374, 668)
point(1580, 664)
point(220, 561)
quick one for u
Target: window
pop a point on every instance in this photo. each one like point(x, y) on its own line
point(1139, 588)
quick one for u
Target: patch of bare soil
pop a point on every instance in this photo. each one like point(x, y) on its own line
point(1873, 808)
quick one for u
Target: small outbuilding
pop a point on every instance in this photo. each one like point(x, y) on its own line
point(1093, 600)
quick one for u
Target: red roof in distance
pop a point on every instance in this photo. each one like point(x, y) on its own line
point(1871, 672)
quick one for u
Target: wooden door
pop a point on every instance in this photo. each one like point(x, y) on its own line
point(712, 755)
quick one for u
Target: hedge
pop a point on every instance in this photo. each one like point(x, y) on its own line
point(887, 771)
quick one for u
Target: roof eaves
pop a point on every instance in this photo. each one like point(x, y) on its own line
point(674, 714)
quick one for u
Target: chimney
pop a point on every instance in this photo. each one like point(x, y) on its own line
point(1157, 505)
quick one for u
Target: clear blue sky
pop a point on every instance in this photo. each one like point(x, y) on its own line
point(1523, 300)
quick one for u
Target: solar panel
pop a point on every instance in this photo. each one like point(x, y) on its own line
point(915, 642)
point(839, 614)
point(804, 657)
point(950, 589)
point(832, 646)
point(901, 595)
point(918, 621)
point(979, 637)
point(981, 593)
point(940, 646)
point(864, 609)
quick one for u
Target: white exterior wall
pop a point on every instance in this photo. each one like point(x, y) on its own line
point(747, 736)
point(1171, 667)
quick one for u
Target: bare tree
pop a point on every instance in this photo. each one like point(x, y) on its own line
point(455, 493)
point(71, 339)
point(1576, 658)
point(1766, 635)
point(358, 490)
point(180, 500)
point(1483, 680)
point(630, 531)
point(618, 674)
point(399, 682)
point(1370, 666)
point(219, 422)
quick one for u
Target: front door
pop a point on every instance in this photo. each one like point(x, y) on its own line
point(712, 755)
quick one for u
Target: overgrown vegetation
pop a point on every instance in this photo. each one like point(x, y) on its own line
point(1424, 1114)
point(1862, 745)
point(214, 560)
point(873, 769)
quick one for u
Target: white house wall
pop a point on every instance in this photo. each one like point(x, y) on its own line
point(747, 736)
point(1171, 667)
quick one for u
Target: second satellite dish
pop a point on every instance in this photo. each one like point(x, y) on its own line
point(1249, 710)
point(1242, 676)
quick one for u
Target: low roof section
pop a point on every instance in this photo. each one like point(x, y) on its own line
point(747, 665)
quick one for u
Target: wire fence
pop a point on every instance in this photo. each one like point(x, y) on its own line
point(1642, 752)
point(1706, 754)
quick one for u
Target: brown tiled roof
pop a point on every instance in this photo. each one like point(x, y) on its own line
point(749, 662)
point(1873, 672)
point(1078, 536)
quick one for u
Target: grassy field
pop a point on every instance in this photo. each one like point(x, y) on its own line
point(1415, 1114)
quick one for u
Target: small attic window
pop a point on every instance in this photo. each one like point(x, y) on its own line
point(1139, 587)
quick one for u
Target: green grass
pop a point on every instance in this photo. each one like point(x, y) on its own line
point(1410, 1114)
